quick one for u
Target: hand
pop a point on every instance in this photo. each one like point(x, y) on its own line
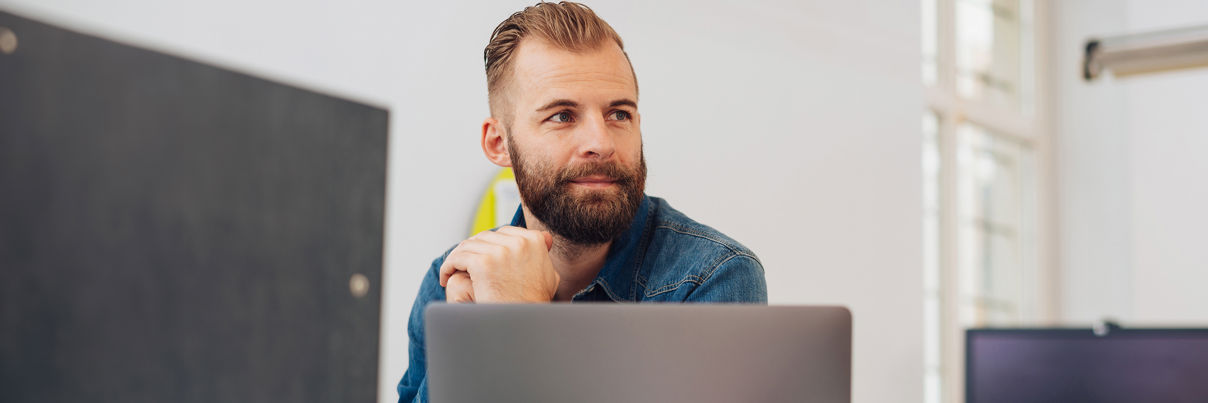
point(511, 264)
point(460, 289)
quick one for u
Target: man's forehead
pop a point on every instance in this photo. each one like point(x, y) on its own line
point(544, 70)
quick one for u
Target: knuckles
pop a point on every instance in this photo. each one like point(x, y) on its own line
point(483, 262)
point(501, 251)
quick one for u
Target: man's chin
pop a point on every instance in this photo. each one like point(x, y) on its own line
point(597, 197)
point(578, 190)
point(594, 193)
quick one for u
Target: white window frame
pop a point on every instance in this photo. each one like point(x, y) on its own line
point(1032, 130)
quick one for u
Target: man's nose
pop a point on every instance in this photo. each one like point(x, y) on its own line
point(598, 141)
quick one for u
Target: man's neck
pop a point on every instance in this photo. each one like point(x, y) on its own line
point(577, 265)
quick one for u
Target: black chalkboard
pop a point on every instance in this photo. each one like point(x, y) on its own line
point(172, 231)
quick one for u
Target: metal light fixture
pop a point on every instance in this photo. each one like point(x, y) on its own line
point(1144, 53)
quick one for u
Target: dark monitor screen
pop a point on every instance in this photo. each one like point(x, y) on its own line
point(1076, 365)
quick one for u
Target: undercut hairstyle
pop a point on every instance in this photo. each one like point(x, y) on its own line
point(567, 25)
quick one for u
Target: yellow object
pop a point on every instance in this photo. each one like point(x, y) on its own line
point(499, 202)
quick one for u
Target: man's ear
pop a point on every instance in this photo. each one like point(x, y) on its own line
point(494, 146)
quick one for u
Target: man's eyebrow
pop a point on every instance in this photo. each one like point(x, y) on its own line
point(559, 103)
point(566, 103)
point(625, 102)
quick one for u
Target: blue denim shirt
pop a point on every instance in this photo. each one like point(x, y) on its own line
point(664, 256)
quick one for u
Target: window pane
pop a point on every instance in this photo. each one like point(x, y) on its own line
point(996, 187)
point(991, 283)
point(932, 309)
point(931, 204)
point(992, 39)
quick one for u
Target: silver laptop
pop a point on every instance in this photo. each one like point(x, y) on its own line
point(638, 353)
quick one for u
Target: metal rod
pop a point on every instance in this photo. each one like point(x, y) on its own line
point(1150, 52)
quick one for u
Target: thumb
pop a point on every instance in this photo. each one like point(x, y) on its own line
point(549, 239)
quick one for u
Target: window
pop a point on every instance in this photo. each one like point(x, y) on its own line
point(984, 181)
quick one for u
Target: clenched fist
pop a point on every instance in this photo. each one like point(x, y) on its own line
point(511, 264)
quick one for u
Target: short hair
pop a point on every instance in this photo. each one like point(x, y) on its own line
point(568, 25)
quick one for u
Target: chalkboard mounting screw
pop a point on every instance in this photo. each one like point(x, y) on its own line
point(358, 284)
point(8, 41)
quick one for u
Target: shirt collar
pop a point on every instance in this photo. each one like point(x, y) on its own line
point(618, 277)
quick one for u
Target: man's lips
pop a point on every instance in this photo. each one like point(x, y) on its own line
point(595, 181)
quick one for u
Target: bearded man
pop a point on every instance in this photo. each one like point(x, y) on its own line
point(564, 115)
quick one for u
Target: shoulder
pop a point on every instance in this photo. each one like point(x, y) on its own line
point(683, 254)
point(672, 226)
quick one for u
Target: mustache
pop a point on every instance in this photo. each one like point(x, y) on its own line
point(612, 170)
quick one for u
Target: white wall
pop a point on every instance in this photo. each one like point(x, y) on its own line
point(1131, 166)
point(792, 126)
point(1091, 147)
point(1168, 121)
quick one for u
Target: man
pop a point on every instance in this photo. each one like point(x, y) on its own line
point(564, 115)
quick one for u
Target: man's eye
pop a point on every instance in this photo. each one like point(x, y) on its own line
point(561, 117)
point(620, 115)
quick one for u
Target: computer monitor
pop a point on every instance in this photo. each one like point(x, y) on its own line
point(1112, 365)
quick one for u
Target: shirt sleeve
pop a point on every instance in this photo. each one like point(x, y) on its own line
point(414, 385)
point(738, 279)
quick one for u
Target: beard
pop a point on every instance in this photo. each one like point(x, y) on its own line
point(581, 216)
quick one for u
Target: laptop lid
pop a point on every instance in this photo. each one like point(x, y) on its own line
point(638, 353)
